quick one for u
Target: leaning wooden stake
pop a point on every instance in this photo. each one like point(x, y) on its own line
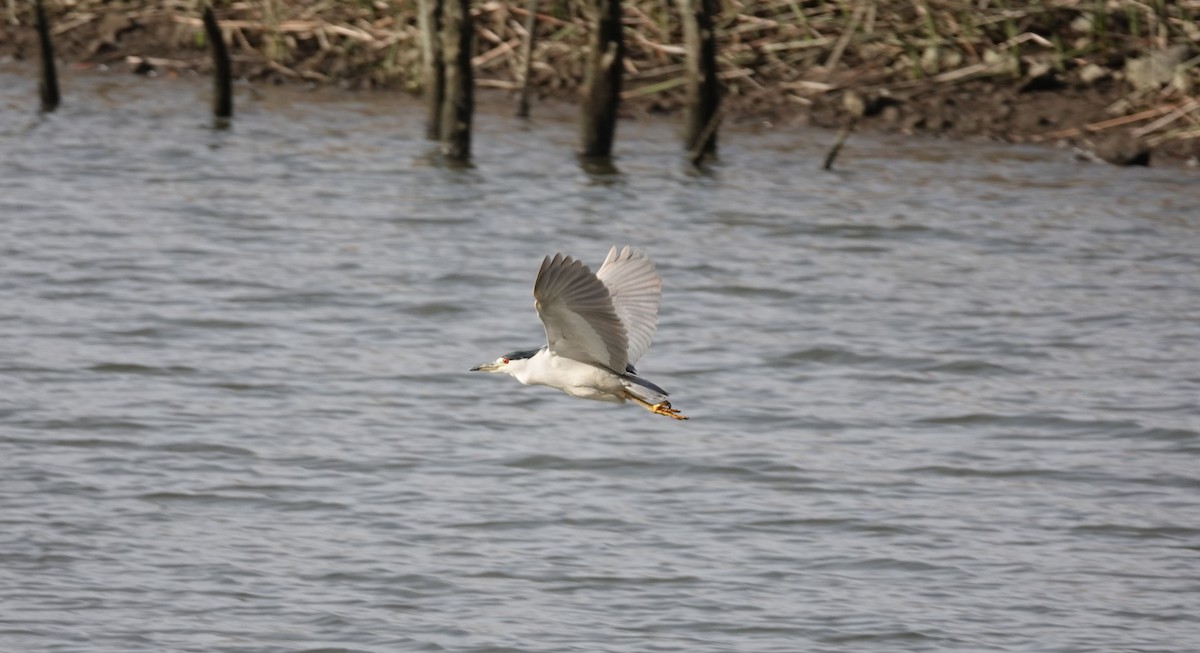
point(527, 57)
point(838, 142)
point(458, 103)
point(856, 108)
point(701, 115)
point(222, 70)
point(48, 84)
point(598, 119)
point(433, 84)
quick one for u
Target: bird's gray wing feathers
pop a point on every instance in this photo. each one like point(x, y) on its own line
point(577, 310)
point(636, 291)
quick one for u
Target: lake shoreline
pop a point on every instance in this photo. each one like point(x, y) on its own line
point(1121, 101)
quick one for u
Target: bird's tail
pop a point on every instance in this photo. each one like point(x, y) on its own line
point(643, 389)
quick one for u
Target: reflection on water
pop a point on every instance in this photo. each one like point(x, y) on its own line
point(942, 399)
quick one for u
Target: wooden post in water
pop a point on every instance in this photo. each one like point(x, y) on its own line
point(527, 57)
point(459, 103)
point(856, 108)
point(48, 83)
point(701, 113)
point(222, 70)
point(598, 117)
point(433, 84)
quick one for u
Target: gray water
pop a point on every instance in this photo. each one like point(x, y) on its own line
point(942, 400)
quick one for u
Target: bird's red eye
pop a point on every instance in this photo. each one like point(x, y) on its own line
point(505, 361)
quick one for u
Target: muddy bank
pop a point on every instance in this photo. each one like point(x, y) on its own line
point(1117, 78)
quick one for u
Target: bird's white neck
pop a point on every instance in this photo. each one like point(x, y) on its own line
point(528, 370)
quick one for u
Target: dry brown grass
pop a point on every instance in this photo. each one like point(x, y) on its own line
point(796, 50)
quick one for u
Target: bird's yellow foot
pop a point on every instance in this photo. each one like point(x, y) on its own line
point(664, 408)
point(661, 408)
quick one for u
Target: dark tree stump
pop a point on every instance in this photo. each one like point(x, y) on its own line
point(702, 110)
point(434, 66)
point(527, 57)
point(48, 81)
point(222, 70)
point(602, 94)
point(458, 103)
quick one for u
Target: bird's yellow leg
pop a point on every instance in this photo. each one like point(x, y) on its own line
point(661, 408)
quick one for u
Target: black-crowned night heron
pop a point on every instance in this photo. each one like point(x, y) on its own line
point(597, 326)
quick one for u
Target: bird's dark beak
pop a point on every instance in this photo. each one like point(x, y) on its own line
point(475, 369)
point(484, 367)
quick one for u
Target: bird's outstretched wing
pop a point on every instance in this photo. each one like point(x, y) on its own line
point(636, 291)
point(577, 311)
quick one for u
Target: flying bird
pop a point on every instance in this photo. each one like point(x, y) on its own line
point(597, 326)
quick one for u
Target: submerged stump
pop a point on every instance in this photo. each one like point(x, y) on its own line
point(48, 79)
point(527, 57)
point(702, 108)
point(602, 80)
point(458, 102)
point(222, 69)
point(433, 83)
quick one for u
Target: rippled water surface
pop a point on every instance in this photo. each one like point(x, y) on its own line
point(942, 400)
